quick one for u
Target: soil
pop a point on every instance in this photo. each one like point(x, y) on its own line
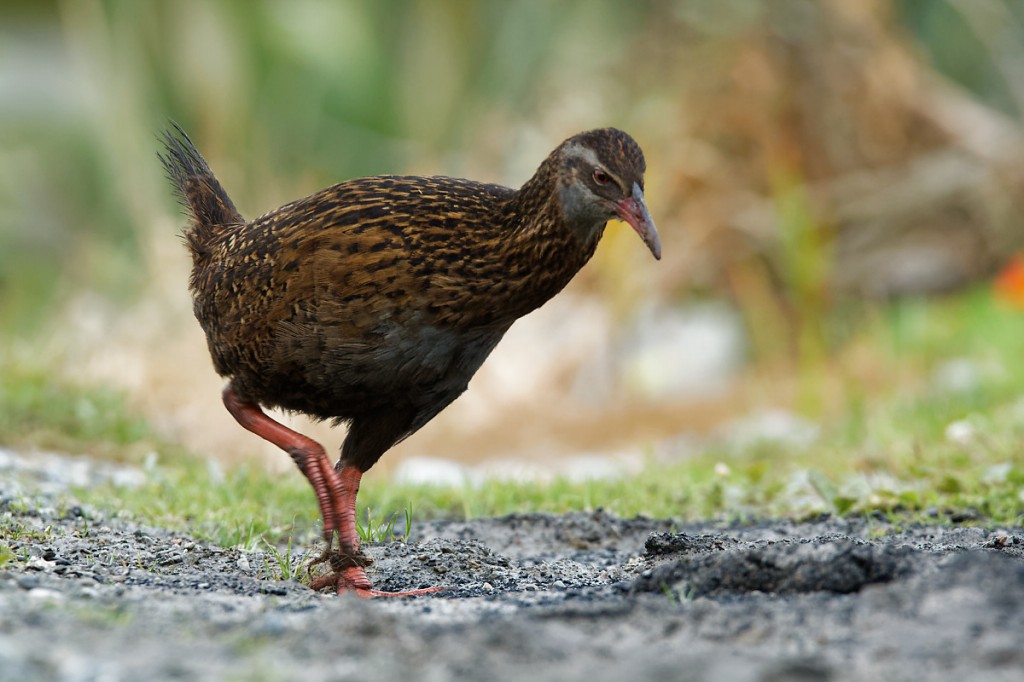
point(88, 596)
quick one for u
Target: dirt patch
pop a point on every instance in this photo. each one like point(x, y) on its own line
point(540, 597)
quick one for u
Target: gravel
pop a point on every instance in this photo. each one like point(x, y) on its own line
point(88, 596)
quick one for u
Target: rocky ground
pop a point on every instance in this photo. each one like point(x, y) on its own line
point(84, 596)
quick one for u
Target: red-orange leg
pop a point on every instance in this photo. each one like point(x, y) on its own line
point(335, 490)
point(306, 453)
point(347, 563)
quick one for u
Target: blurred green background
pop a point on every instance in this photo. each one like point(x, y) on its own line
point(283, 97)
point(287, 97)
point(811, 164)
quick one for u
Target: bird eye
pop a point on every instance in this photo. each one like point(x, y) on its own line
point(600, 177)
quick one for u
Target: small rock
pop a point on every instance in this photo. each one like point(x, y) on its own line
point(28, 581)
point(44, 593)
point(962, 515)
point(87, 593)
point(998, 541)
point(270, 624)
point(39, 564)
point(169, 559)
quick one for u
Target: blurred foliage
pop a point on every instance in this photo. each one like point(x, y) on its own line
point(40, 411)
point(284, 97)
point(288, 97)
point(979, 45)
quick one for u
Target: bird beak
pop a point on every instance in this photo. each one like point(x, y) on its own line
point(633, 210)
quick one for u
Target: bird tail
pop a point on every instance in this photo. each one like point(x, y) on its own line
point(199, 191)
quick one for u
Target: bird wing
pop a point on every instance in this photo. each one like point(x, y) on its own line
point(375, 273)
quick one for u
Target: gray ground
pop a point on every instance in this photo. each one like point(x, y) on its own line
point(532, 597)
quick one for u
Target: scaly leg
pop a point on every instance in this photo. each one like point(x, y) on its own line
point(306, 453)
point(347, 562)
point(335, 492)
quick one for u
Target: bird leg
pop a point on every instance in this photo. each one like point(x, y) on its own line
point(347, 562)
point(305, 452)
point(335, 492)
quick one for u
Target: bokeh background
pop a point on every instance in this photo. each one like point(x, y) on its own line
point(811, 166)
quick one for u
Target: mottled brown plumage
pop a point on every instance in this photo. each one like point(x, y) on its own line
point(374, 301)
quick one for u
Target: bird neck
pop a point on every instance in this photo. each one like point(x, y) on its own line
point(547, 211)
point(542, 250)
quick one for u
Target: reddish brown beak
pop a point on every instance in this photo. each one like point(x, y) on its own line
point(633, 210)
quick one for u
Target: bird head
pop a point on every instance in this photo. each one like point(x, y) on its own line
point(601, 176)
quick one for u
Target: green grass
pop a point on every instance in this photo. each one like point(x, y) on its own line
point(890, 449)
point(382, 528)
point(40, 411)
point(282, 563)
point(16, 535)
point(7, 555)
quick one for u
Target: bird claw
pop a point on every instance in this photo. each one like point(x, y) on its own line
point(347, 575)
point(340, 582)
point(353, 579)
point(341, 559)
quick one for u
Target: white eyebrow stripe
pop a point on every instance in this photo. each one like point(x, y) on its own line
point(578, 151)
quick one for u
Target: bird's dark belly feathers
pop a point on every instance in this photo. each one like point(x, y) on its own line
point(422, 369)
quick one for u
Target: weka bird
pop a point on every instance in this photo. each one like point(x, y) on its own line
point(373, 302)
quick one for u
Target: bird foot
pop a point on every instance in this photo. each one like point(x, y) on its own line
point(347, 575)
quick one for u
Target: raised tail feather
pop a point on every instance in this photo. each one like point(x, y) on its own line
point(199, 190)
